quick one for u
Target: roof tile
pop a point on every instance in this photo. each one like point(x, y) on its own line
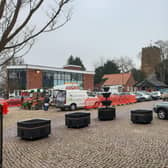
point(116, 79)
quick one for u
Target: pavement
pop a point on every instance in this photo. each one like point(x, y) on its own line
point(104, 144)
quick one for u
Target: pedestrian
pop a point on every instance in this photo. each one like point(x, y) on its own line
point(22, 99)
point(46, 103)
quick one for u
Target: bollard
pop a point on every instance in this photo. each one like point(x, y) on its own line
point(1, 134)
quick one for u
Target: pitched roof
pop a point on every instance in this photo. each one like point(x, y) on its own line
point(116, 79)
point(151, 80)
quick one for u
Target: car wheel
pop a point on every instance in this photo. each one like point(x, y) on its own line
point(162, 114)
point(73, 107)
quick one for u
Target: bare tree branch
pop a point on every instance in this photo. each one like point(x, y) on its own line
point(7, 60)
point(61, 5)
point(125, 64)
point(17, 33)
point(2, 6)
point(9, 29)
point(32, 11)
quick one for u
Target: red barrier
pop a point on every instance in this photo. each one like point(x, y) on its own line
point(127, 99)
point(121, 99)
point(14, 102)
point(4, 107)
point(92, 102)
point(115, 100)
point(133, 99)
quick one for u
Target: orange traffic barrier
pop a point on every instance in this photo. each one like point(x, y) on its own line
point(92, 103)
point(133, 99)
point(127, 99)
point(114, 99)
point(4, 107)
point(119, 99)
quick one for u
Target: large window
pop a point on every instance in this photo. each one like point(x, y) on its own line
point(48, 79)
point(17, 79)
point(61, 78)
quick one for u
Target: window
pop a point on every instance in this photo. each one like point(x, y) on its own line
point(48, 79)
point(17, 79)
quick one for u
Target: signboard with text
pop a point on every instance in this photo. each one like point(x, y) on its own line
point(68, 86)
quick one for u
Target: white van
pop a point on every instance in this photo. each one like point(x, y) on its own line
point(71, 99)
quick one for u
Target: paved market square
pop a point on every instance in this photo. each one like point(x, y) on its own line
point(104, 144)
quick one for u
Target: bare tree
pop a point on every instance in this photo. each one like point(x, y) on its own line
point(163, 45)
point(125, 64)
point(161, 69)
point(19, 27)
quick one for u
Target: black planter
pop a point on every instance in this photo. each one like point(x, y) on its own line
point(141, 116)
point(106, 94)
point(106, 102)
point(106, 89)
point(77, 120)
point(34, 129)
point(105, 114)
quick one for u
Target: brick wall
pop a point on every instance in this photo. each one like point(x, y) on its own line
point(88, 82)
point(34, 79)
point(130, 84)
point(131, 81)
point(150, 59)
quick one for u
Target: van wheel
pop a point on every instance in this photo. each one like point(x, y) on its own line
point(73, 107)
point(162, 114)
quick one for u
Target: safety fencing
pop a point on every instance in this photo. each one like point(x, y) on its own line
point(117, 100)
point(14, 102)
point(91, 102)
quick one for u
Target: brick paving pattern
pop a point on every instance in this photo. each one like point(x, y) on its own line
point(109, 144)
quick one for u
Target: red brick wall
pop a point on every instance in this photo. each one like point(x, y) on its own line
point(88, 81)
point(129, 83)
point(34, 79)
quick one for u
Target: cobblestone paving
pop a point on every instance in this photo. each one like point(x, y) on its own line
point(110, 144)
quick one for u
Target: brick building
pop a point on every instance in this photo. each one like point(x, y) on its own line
point(150, 59)
point(119, 82)
point(21, 77)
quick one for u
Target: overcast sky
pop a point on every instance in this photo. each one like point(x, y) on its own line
point(103, 29)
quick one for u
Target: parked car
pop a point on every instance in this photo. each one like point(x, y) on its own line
point(162, 110)
point(139, 97)
point(156, 95)
point(164, 96)
point(143, 96)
